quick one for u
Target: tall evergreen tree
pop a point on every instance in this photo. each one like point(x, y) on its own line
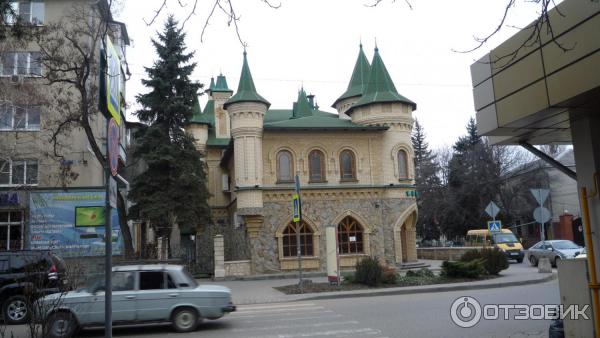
point(474, 181)
point(172, 189)
point(428, 185)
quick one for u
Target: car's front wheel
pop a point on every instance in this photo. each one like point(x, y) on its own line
point(533, 260)
point(185, 319)
point(61, 325)
point(556, 259)
point(15, 310)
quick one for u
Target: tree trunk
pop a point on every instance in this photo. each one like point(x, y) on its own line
point(127, 240)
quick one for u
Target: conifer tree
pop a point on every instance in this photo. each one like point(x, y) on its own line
point(428, 185)
point(172, 189)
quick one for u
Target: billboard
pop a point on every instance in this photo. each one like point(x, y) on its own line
point(113, 81)
point(71, 223)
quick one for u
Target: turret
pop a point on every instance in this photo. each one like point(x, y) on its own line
point(381, 104)
point(219, 92)
point(357, 84)
point(246, 110)
point(198, 126)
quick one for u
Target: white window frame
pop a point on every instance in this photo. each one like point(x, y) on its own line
point(8, 225)
point(11, 164)
point(15, 4)
point(12, 126)
point(15, 63)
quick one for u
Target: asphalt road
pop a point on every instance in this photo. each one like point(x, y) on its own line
point(417, 315)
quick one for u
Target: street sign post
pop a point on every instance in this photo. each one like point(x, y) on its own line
point(113, 146)
point(541, 214)
point(113, 191)
point(297, 218)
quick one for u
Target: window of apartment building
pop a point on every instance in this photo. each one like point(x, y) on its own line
point(347, 166)
point(11, 230)
point(21, 63)
point(316, 164)
point(18, 172)
point(32, 12)
point(285, 167)
point(350, 236)
point(290, 249)
point(19, 118)
point(402, 165)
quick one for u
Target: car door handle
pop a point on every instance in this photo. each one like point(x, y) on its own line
point(172, 295)
point(130, 297)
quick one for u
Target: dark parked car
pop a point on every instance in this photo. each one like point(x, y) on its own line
point(26, 276)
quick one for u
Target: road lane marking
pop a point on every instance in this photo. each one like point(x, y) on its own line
point(337, 333)
point(292, 326)
point(252, 307)
point(295, 318)
point(260, 315)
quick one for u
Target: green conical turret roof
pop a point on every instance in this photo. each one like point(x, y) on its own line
point(221, 85)
point(197, 115)
point(246, 91)
point(359, 78)
point(302, 107)
point(380, 87)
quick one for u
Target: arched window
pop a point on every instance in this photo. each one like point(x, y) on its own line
point(285, 167)
point(347, 166)
point(289, 240)
point(350, 236)
point(402, 164)
point(316, 163)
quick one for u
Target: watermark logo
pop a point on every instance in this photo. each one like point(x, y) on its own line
point(467, 311)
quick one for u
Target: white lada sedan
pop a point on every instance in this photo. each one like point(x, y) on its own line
point(141, 294)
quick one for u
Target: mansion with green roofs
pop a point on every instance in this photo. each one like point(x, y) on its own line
point(355, 167)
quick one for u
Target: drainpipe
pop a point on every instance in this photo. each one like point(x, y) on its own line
point(593, 285)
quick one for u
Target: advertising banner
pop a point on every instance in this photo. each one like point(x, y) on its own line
point(71, 223)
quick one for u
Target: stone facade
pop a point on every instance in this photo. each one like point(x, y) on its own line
point(373, 193)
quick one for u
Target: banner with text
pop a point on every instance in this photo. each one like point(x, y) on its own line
point(71, 223)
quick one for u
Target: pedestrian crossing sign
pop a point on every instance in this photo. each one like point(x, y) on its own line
point(495, 226)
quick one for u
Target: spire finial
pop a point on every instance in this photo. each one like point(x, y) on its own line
point(360, 42)
point(376, 48)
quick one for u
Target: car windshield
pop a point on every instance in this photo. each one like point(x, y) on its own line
point(565, 245)
point(504, 238)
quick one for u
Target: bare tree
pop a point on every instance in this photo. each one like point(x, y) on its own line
point(69, 55)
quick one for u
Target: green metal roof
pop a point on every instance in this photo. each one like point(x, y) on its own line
point(302, 107)
point(246, 91)
point(197, 115)
point(380, 87)
point(360, 76)
point(281, 119)
point(221, 85)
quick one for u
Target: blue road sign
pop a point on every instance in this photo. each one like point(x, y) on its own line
point(495, 226)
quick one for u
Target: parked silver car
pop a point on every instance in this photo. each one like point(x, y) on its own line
point(553, 250)
point(141, 294)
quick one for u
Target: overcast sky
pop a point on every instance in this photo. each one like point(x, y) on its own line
point(314, 43)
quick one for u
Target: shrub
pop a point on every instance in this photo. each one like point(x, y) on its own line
point(389, 276)
point(423, 272)
point(368, 272)
point(348, 278)
point(470, 269)
point(494, 259)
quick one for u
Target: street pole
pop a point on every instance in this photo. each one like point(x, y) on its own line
point(543, 224)
point(298, 224)
point(108, 246)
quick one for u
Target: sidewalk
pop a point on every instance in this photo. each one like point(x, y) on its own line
point(261, 291)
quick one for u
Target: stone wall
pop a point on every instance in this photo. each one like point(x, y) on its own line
point(447, 254)
point(377, 215)
point(237, 268)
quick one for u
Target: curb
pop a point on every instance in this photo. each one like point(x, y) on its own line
point(400, 291)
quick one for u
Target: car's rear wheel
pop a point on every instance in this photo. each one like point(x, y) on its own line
point(533, 261)
point(556, 259)
point(185, 319)
point(15, 310)
point(61, 325)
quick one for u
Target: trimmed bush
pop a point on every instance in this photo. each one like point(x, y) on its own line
point(389, 276)
point(368, 272)
point(423, 272)
point(470, 269)
point(494, 259)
